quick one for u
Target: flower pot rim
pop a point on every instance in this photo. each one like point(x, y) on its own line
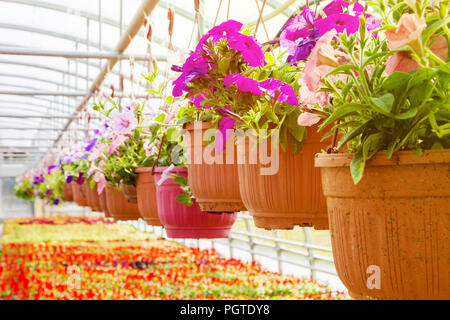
point(190, 125)
point(143, 170)
point(175, 169)
point(408, 157)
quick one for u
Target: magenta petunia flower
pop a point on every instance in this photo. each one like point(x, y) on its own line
point(219, 32)
point(243, 84)
point(193, 68)
point(124, 122)
point(358, 8)
point(339, 22)
point(335, 6)
point(298, 27)
point(250, 49)
point(226, 123)
point(197, 100)
point(284, 91)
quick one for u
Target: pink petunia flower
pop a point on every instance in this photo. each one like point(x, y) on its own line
point(315, 69)
point(307, 119)
point(101, 181)
point(117, 142)
point(97, 152)
point(124, 122)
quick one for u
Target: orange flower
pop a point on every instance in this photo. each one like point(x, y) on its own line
point(402, 62)
point(408, 31)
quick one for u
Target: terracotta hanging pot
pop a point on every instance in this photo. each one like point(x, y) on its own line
point(214, 186)
point(393, 226)
point(119, 207)
point(92, 198)
point(146, 196)
point(129, 192)
point(77, 196)
point(67, 192)
point(103, 204)
point(181, 221)
point(293, 195)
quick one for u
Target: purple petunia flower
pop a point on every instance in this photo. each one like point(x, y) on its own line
point(90, 145)
point(50, 168)
point(243, 84)
point(56, 202)
point(49, 192)
point(80, 179)
point(194, 67)
point(69, 179)
point(303, 48)
point(279, 89)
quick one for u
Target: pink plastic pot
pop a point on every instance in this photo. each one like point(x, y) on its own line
point(182, 221)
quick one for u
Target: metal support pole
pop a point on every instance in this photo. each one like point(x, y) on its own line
point(251, 242)
point(311, 256)
point(278, 250)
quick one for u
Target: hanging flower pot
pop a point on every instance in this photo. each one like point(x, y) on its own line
point(293, 195)
point(146, 196)
point(103, 204)
point(92, 198)
point(119, 207)
point(182, 221)
point(77, 196)
point(393, 226)
point(67, 192)
point(129, 192)
point(215, 186)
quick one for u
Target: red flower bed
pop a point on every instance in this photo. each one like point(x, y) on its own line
point(150, 269)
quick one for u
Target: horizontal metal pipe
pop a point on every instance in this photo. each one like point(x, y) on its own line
point(44, 93)
point(33, 116)
point(71, 94)
point(40, 129)
point(76, 54)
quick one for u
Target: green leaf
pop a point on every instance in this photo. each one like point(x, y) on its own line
point(184, 199)
point(224, 65)
point(185, 119)
point(181, 181)
point(396, 80)
point(385, 102)
point(370, 146)
point(351, 134)
point(298, 132)
point(339, 113)
point(341, 68)
point(283, 137)
point(269, 57)
point(357, 166)
point(169, 100)
point(160, 117)
point(407, 114)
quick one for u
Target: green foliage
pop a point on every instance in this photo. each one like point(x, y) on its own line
point(400, 111)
